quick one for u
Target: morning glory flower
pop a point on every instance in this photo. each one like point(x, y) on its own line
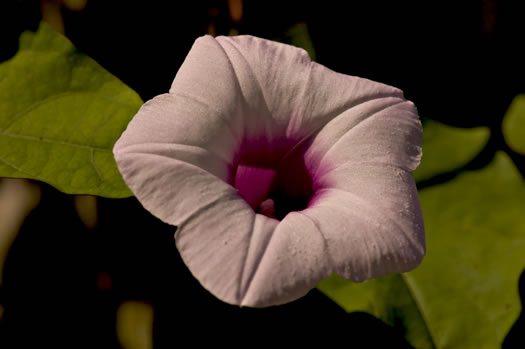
point(277, 171)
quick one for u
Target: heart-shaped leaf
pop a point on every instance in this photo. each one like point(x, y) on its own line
point(60, 114)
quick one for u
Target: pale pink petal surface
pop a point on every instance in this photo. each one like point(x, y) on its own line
point(277, 171)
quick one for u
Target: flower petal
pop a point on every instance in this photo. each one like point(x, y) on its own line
point(219, 236)
point(287, 96)
point(384, 131)
point(371, 218)
point(368, 224)
point(295, 260)
point(366, 201)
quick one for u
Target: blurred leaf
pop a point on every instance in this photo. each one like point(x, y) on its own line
point(18, 197)
point(60, 114)
point(75, 5)
point(135, 325)
point(298, 36)
point(86, 209)
point(447, 148)
point(465, 291)
point(514, 124)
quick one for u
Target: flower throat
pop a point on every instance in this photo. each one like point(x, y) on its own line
point(274, 192)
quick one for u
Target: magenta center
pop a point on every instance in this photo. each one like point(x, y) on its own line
point(274, 192)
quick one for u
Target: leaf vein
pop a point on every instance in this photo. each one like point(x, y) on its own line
point(8, 163)
point(419, 308)
point(52, 141)
point(92, 158)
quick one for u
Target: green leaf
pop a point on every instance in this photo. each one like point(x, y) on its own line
point(514, 124)
point(464, 294)
point(447, 148)
point(298, 36)
point(388, 298)
point(60, 114)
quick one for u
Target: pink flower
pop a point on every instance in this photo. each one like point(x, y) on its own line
point(277, 171)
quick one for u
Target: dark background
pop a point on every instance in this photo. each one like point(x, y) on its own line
point(459, 61)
